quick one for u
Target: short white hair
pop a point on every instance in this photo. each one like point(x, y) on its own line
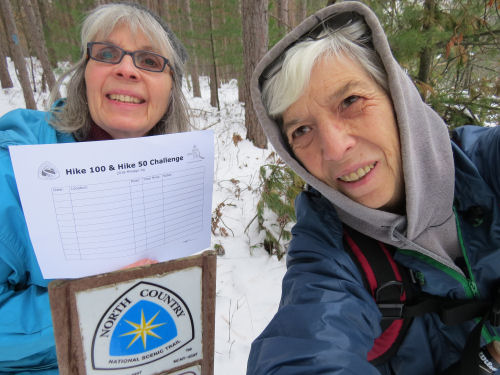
point(285, 87)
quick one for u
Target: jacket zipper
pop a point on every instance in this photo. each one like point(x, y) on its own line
point(488, 333)
point(468, 283)
point(471, 280)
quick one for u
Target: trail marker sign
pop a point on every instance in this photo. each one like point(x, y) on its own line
point(152, 320)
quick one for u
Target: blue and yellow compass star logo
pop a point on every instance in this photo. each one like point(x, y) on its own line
point(143, 330)
point(146, 321)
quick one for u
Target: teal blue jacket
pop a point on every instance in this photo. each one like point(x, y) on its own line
point(26, 336)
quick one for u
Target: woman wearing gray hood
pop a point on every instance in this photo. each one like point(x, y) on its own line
point(381, 169)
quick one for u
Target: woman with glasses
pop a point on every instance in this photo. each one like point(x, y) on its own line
point(383, 178)
point(127, 83)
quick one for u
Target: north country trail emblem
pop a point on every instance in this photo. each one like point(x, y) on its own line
point(150, 320)
point(145, 324)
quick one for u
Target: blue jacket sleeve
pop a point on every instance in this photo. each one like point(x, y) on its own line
point(26, 335)
point(327, 321)
point(482, 145)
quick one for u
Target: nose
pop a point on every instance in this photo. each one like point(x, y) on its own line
point(126, 68)
point(335, 140)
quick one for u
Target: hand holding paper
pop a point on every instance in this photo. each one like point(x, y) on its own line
point(95, 207)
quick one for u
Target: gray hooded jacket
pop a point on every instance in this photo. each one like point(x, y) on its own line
point(429, 225)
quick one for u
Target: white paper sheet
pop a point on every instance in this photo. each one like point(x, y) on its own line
point(94, 207)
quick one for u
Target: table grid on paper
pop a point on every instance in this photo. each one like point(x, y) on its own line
point(115, 219)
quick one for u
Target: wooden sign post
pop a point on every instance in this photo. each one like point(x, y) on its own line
point(157, 319)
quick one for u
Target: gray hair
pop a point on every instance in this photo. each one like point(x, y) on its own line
point(74, 116)
point(283, 88)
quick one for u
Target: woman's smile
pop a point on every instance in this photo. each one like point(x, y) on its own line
point(344, 132)
point(124, 100)
point(358, 174)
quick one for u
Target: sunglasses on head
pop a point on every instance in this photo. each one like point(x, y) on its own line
point(323, 29)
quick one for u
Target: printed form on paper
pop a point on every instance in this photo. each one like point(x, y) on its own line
point(95, 207)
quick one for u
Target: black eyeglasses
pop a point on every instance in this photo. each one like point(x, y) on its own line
point(330, 24)
point(110, 54)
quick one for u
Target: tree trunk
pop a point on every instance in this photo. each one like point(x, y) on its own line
point(193, 58)
point(153, 5)
point(174, 19)
point(214, 80)
point(16, 54)
point(67, 22)
point(426, 54)
point(283, 14)
point(241, 87)
point(224, 70)
point(38, 42)
point(163, 11)
point(44, 14)
point(254, 18)
point(301, 11)
point(5, 79)
point(292, 11)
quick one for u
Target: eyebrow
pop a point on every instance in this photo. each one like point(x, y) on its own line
point(336, 95)
point(349, 86)
point(148, 48)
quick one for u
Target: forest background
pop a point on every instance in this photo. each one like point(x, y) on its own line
point(450, 48)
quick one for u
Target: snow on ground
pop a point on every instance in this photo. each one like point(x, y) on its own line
point(248, 279)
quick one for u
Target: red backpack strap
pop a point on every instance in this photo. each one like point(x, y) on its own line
point(390, 286)
point(399, 301)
